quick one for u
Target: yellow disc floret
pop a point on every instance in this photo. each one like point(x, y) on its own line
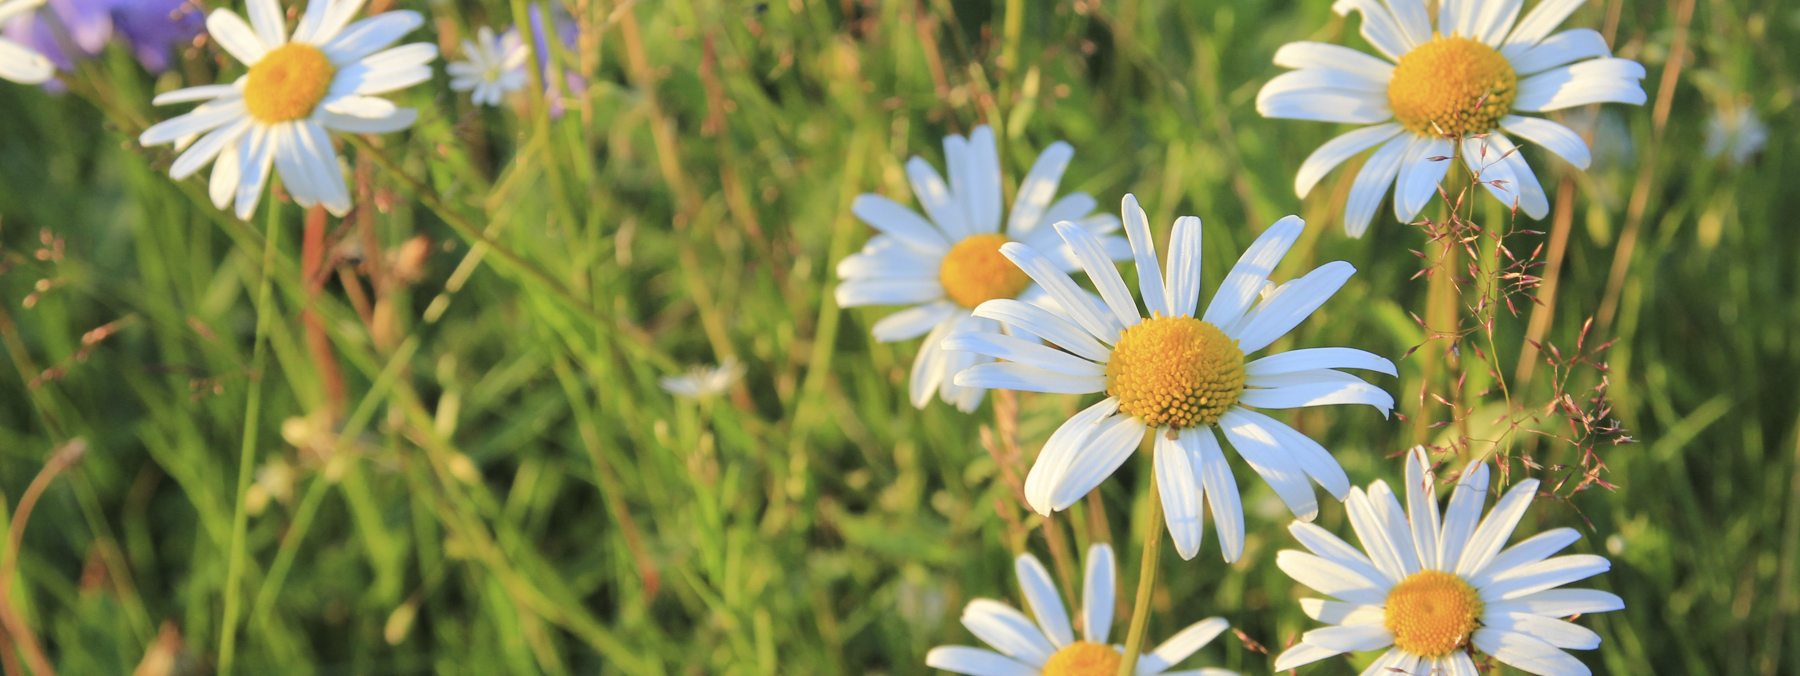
point(287, 83)
point(1082, 658)
point(1452, 86)
point(975, 272)
point(1175, 371)
point(1432, 613)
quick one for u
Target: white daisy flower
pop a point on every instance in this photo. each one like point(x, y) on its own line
point(1431, 588)
point(325, 77)
point(1466, 80)
point(1177, 374)
point(18, 62)
point(702, 382)
point(948, 265)
point(495, 66)
point(1048, 647)
point(1735, 132)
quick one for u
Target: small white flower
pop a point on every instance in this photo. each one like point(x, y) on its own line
point(1048, 647)
point(495, 66)
point(325, 77)
point(1431, 587)
point(1176, 374)
point(946, 266)
point(1735, 132)
point(702, 382)
point(19, 63)
point(1467, 79)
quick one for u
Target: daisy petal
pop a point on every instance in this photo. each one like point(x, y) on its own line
point(1552, 136)
point(1489, 165)
point(1183, 644)
point(1331, 578)
point(266, 17)
point(1531, 193)
point(1527, 653)
point(336, 16)
point(1259, 448)
point(1044, 324)
point(1413, 20)
point(1038, 189)
point(1076, 303)
point(371, 107)
point(1100, 270)
point(1335, 57)
point(1458, 17)
point(1297, 301)
point(1558, 633)
point(1143, 249)
point(1025, 378)
point(1456, 664)
point(986, 197)
point(899, 222)
point(371, 35)
point(1546, 574)
point(1338, 612)
point(913, 322)
point(1560, 603)
point(1060, 451)
point(401, 119)
point(12, 8)
point(1326, 105)
point(1379, 26)
point(1566, 47)
point(1335, 151)
point(1024, 352)
point(934, 194)
point(1183, 282)
point(191, 94)
point(1462, 515)
point(1329, 547)
point(1221, 492)
point(206, 117)
point(1396, 661)
point(1387, 508)
point(258, 153)
point(1046, 604)
point(1301, 655)
point(1072, 207)
point(1108, 448)
point(1420, 175)
point(1373, 531)
point(1353, 638)
point(1496, 20)
point(1320, 358)
point(928, 374)
point(326, 170)
point(1592, 81)
point(1178, 483)
point(1545, 17)
point(209, 147)
point(1372, 184)
point(1421, 505)
point(1252, 270)
point(223, 182)
point(1320, 79)
point(1007, 630)
point(1530, 550)
point(1496, 529)
point(975, 662)
point(1319, 393)
point(1098, 591)
point(888, 292)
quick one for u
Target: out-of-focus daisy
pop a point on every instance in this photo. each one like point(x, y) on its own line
point(495, 66)
point(1735, 132)
point(1465, 80)
point(1431, 587)
point(702, 382)
point(1176, 374)
point(1048, 647)
point(149, 28)
point(948, 265)
point(18, 62)
point(325, 77)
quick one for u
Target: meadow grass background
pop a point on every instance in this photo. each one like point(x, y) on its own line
point(502, 488)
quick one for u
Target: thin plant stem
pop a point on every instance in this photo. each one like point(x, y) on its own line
point(15, 626)
point(259, 356)
point(1140, 611)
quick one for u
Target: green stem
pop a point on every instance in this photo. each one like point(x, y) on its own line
point(234, 571)
point(1140, 610)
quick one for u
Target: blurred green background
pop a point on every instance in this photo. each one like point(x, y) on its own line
point(498, 485)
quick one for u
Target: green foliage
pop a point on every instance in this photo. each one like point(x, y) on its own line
point(504, 488)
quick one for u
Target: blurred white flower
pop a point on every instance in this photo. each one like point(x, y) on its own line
point(494, 66)
point(1049, 647)
point(1736, 132)
point(702, 382)
point(18, 62)
point(1468, 78)
point(1434, 586)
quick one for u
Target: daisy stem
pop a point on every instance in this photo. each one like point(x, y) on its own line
point(1140, 610)
point(259, 356)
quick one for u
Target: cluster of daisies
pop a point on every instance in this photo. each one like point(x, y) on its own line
point(990, 290)
point(998, 309)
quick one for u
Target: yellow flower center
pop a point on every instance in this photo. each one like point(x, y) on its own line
point(1176, 371)
point(1082, 658)
point(1452, 85)
point(1432, 613)
point(287, 83)
point(975, 272)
